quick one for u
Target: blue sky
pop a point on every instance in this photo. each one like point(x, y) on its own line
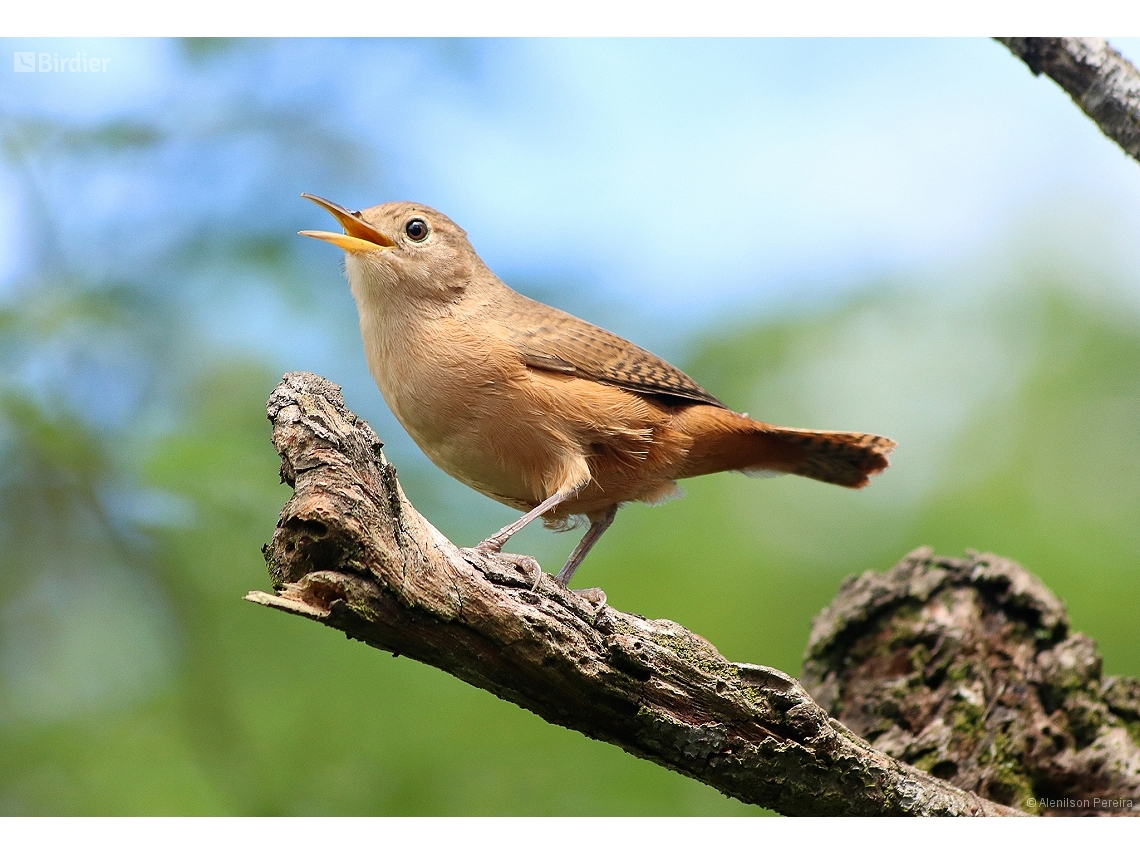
point(649, 185)
point(686, 175)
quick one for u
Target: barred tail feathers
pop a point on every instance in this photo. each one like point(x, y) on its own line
point(837, 457)
point(726, 441)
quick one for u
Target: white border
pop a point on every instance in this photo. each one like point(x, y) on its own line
point(580, 18)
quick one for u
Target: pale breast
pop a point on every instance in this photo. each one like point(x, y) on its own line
point(459, 397)
point(512, 432)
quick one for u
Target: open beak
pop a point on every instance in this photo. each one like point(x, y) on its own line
point(358, 237)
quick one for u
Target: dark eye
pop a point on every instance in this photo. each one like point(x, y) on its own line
point(416, 229)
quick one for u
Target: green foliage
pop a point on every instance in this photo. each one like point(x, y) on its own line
point(260, 713)
point(137, 484)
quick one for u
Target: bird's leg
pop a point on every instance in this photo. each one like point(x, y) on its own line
point(495, 542)
point(597, 529)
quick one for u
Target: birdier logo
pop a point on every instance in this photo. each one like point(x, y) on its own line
point(81, 63)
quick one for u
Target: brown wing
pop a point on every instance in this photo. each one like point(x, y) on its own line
point(552, 340)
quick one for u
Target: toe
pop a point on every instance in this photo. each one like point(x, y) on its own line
point(526, 563)
point(595, 596)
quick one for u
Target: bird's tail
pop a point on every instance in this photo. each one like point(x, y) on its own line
point(724, 441)
point(837, 457)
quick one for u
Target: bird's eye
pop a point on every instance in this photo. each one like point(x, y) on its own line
point(416, 229)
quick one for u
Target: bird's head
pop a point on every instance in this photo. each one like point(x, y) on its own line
point(402, 251)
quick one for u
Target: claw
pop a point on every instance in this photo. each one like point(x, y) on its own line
point(526, 563)
point(595, 596)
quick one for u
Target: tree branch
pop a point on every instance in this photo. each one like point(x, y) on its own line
point(966, 667)
point(1104, 84)
point(350, 552)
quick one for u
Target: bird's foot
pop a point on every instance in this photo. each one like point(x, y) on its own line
point(491, 546)
point(526, 563)
point(595, 596)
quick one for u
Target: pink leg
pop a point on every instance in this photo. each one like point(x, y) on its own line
point(597, 529)
point(495, 542)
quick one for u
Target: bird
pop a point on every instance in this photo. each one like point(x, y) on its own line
point(536, 408)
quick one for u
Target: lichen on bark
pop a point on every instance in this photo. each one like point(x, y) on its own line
point(967, 668)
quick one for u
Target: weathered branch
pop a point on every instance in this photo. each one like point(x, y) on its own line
point(966, 668)
point(1102, 82)
point(350, 552)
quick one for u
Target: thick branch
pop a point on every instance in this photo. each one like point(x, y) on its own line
point(966, 667)
point(349, 551)
point(1102, 82)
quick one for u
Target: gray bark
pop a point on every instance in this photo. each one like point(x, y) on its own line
point(967, 668)
point(1103, 83)
point(350, 552)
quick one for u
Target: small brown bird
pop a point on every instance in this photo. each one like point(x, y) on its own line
point(535, 408)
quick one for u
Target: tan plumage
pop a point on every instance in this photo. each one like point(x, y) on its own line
point(535, 407)
point(554, 340)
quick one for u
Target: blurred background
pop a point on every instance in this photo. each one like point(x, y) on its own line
point(911, 237)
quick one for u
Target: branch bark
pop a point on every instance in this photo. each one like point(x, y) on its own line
point(966, 668)
point(350, 552)
point(1103, 83)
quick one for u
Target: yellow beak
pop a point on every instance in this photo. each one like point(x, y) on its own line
point(359, 237)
